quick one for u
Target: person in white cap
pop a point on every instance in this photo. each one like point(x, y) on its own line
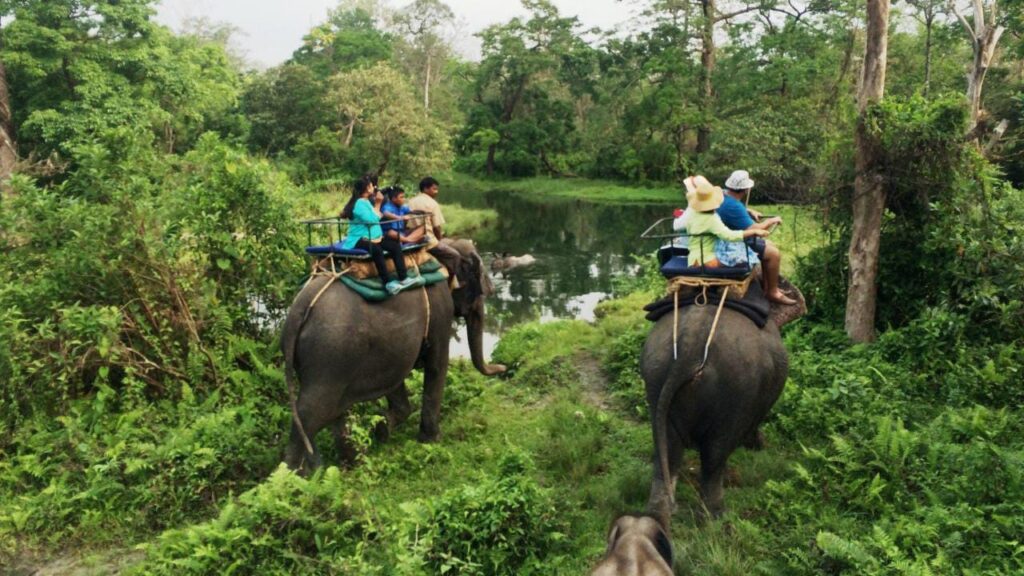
point(736, 216)
point(704, 225)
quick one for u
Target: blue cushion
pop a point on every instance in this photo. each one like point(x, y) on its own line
point(679, 266)
point(337, 250)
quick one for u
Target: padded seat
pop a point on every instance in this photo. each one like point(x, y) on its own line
point(680, 266)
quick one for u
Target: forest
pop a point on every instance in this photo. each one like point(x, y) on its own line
point(152, 184)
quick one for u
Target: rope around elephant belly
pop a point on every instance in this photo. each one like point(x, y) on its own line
point(711, 334)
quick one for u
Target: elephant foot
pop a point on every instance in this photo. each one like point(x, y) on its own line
point(382, 432)
point(709, 512)
point(428, 437)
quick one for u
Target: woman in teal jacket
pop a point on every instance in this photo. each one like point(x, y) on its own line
point(364, 233)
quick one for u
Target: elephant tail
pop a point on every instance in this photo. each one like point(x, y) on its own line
point(665, 399)
point(289, 345)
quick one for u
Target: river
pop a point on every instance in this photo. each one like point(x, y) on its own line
point(580, 247)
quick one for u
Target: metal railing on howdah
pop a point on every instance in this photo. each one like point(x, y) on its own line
point(652, 233)
point(340, 226)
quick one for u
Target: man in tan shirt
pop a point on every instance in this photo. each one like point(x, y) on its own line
point(426, 202)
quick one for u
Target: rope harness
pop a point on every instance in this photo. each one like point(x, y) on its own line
point(675, 285)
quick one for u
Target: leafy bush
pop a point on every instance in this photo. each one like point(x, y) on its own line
point(501, 525)
point(287, 525)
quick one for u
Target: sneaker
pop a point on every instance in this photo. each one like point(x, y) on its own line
point(393, 287)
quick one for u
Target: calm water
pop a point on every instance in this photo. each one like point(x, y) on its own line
point(580, 248)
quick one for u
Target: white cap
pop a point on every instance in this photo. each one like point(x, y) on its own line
point(739, 180)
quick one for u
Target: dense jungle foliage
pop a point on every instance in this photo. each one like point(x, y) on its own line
point(148, 248)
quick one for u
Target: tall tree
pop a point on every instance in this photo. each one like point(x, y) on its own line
point(77, 68)
point(926, 11)
point(522, 92)
point(425, 21)
point(869, 183)
point(384, 126)
point(985, 34)
point(8, 146)
point(710, 17)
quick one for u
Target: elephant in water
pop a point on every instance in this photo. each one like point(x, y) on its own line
point(347, 350)
point(716, 409)
point(504, 263)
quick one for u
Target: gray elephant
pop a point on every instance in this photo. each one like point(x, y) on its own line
point(719, 407)
point(345, 350)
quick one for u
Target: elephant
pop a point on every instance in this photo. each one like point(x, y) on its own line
point(717, 407)
point(638, 545)
point(502, 264)
point(345, 350)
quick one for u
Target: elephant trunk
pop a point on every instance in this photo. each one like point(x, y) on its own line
point(475, 330)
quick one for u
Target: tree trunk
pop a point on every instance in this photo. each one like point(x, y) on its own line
point(929, 20)
point(8, 148)
point(490, 159)
point(426, 86)
point(349, 130)
point(869, 191)
point(707, 62)
point(985, 35)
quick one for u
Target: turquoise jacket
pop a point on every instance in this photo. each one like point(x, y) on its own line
point(365, 223)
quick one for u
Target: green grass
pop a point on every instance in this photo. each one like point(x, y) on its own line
point(569, 188)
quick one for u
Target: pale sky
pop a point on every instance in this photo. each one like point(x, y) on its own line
point(270, 30)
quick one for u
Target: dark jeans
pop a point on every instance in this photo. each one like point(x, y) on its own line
point(757, 245)
point(376, 249)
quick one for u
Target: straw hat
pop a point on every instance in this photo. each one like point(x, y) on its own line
point(701, 195)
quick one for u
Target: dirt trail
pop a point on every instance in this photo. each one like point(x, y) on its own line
point(595, 383)
point(74, 564)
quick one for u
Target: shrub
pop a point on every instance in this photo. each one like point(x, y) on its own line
point(500, 525)
point(286, 525)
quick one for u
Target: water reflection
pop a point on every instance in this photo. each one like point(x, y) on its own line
point(580, 247)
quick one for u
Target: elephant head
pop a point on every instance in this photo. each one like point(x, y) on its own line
point(638, 545)
point(474, 286)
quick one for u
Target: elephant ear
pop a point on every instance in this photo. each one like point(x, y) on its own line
point(782, 315)
point(486, 286)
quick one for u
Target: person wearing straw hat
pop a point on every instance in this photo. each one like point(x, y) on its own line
point(736, 216)
point(703, 224)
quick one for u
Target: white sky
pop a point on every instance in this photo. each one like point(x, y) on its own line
point(272, 29)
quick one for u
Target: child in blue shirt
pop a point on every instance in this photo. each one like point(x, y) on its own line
point(395, 213)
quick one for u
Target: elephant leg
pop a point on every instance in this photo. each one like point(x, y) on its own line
point(754, 439)
point(399, 409)
point(713, 460)
point(347, 452)
point(296, 457)
point(314, 418)
point(661, 502)
point(435, 372)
